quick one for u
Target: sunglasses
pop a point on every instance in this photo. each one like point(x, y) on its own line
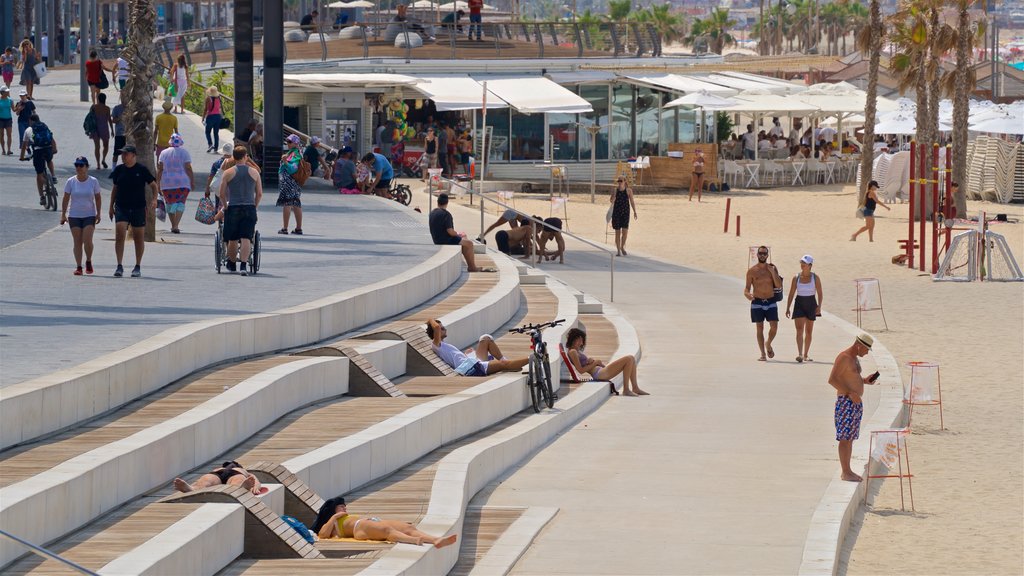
point(762, 253)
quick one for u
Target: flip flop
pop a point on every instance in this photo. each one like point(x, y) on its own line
point(771, 353)
point(486, 270)
point(800, 359)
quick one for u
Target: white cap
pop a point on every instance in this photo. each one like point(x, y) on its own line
point(807, 259)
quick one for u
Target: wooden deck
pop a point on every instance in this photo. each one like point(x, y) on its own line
point(25, 461)
point(481, 529)
point(106, 539)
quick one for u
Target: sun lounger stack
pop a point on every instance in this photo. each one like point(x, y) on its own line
point(975, 168)
point(1018, 175)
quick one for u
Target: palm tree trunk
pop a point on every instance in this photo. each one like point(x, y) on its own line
point(867, 149)
point(138, 91)
point(961, 111)
point(760, 37)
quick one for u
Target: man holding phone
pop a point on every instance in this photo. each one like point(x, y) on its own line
point(849, 410)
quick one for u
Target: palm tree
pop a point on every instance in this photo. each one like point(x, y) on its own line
point(856, 19)
point(716, 28)
point(668, 25)
point(959, 84)
point(870, 40)
point(138, 91)
point(618, 10)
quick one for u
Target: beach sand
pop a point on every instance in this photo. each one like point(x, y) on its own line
point(968, 486)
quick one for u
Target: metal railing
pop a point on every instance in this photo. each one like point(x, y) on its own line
point(534, 222)
point(39, 550)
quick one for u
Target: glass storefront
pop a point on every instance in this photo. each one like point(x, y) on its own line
point(597, 96)
point(527, 141)
point(563, 136)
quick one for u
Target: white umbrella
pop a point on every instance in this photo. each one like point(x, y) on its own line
point(1008, 123)
point(352, 4)
point(900, 123)
point(758, 103)
point(424, 4)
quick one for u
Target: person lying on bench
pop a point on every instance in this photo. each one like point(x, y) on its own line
point(576, 341)
point(485, 359)
point(231, 473)
point(334, 521)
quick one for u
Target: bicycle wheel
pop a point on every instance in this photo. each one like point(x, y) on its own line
point(549, 393)
point(535, 386)
point(254, 256)
point(51, 197)
point(218, 250)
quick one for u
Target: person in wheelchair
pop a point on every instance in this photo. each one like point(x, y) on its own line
point(240, 191)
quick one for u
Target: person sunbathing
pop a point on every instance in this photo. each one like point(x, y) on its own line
point(485, 359)
point(334, 521)
point(230, 473)
point(576, 341)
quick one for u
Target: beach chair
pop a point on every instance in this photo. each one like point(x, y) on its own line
point(574, 376)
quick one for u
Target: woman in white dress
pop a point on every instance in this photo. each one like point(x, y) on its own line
point(179, 77)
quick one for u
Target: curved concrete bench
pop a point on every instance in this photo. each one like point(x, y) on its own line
point(462, 474)
point(88, 485)
point(64, 398)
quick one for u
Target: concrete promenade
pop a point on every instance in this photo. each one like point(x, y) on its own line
point(720, 470)
point(50, 319)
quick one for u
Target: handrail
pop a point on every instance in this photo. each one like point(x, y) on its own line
point(533, 231)
point(47, 554)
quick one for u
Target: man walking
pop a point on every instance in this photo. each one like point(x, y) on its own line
point(849, 385)
point(762, 280)
point(442, 231)
point(475, 18)
point(128, 206)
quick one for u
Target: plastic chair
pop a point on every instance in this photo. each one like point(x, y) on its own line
point(641, 164)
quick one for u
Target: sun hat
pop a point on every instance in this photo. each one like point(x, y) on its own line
point(23, 93)
point(176, 140)
point(227, 148)
point(212, 91)
point(82, 161)
point(293, 139)
point(807, 259)
point(866, 340)
point(168, 106)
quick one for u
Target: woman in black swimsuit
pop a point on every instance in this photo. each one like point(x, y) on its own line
point(622, 200)
point(870, 201)
point(230, 472)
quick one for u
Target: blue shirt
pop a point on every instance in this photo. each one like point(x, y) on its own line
point(383, 167)
point(6, 108)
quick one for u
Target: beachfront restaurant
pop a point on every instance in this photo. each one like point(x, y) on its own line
point(530, 118)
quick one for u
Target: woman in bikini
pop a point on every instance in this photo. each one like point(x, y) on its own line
point(230, 473)
point(334, 521)
point(576, 341)
point(697, 180)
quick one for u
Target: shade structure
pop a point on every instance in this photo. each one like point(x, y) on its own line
point(834, 101)
point(684, 84)
point(702, 99)
point(424, 4)
point(343, 80)
point(897, 124)
point(451, 92)
point(460, 5)
point(741, 84)
point(352, 4)
point(535, 94)
point(762, 103)
point(1007, 123)
point(789, 87)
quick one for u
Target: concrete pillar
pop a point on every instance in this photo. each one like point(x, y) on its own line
point(243, 37)
point(273, 89)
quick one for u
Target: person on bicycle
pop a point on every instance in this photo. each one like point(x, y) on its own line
point(241, 190)
point(381, 173)
point(41, 145)
point(576, 341)
point(486, 358)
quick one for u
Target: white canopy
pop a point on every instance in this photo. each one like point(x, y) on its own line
point(740, 84)
point(424, 4)
point(457, 93)
point(684, 84)
point(342, 80)
point(352, 4)
point(582, 77)
point(702, 99)
point(760, 102)
point(1007, 123)
point(790, 87)
point(834, 100)
point(897, 124)
point(532, 94)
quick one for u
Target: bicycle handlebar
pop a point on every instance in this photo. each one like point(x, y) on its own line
point(530, 327)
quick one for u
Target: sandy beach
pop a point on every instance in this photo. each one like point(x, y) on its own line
point(968, 486)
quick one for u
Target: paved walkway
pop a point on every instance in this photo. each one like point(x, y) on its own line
point(51, 320)
point(718, 471)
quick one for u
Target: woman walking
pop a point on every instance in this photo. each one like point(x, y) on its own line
point(7, 63)
point(81, 211)
point(806, 286)
point(622, 201)
point(212, 114)
point(290, 198)
point(870, 202)
point(174, 173)
point(6, 120)
point(179, 78)
point(697, 178)
point(101, 112)
point(29, 59)
point(95, 76)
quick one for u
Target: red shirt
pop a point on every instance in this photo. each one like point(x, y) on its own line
point(475, 6)
point(93, 71)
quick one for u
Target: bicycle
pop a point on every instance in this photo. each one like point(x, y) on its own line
point(401, 193)
point(50, 190)
point(539, 379)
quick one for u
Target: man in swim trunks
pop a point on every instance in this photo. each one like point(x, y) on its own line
point(762, 280)
point(849, 384)
point(334, 521)
point(485, 359)
point(517, 241)
point(510, 216)
point(230, 473)
point(552, 231)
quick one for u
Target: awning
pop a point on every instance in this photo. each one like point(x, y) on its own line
point(582, 77)
point(684, 84)
point(457, 93)
point(790, 87)
point(743, 83)
point(339, 80)
point(534, 94)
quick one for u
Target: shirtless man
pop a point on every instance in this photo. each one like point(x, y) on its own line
point(762, 279)
point(849, 385)
point(552, 231)
point(334, 521)
point(518, 240)
point(230, 473)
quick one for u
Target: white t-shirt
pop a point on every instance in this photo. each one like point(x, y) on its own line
point(749, 140)
point(454, 357)
point(83, 196)
point(765, 144)
point(122, 68)
point(776, 130)
point(780, 144)
point(828, 134)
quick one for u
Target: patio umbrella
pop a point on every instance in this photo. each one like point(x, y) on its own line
point(760, 103)
point(352, 4)
point(704, 100)
point(901, 124)
point(1007, 123)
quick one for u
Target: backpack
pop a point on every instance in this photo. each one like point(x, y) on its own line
point(41, 135)
point(89, 125)
point(303, 173)
point(299, 527)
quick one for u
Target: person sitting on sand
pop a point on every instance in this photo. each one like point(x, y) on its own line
point(485, 359)
point(230, 473)
point(576, 341)
point(334, 521)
